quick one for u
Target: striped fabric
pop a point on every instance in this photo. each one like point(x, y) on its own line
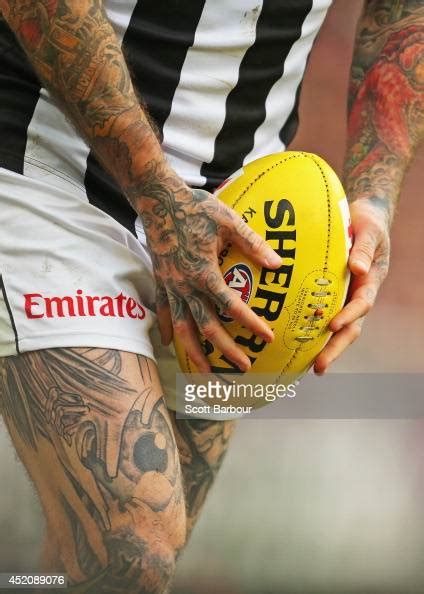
point(221, 78)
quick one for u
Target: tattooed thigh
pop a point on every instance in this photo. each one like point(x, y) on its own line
point(93, 431)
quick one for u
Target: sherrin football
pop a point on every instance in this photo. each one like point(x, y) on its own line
point(297, 203)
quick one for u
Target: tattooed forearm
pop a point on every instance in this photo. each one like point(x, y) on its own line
point(386, 100)
point(77, 56)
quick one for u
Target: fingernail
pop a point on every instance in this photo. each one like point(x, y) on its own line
point(269, 337)
point(273, 259)
point(267, 334)
point(245, 365)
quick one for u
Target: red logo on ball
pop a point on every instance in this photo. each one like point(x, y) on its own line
point(240, 278)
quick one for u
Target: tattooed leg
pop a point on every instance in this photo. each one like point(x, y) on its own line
point(93, 431)
point(202, 446)
point(50, 557)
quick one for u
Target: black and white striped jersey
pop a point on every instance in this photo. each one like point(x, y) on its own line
point(221, 78)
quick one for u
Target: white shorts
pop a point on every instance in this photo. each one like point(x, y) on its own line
point(72, 276)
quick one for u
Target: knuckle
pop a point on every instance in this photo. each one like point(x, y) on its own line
point(257, 243)
point(194, 355)
point(211, 280)
point(365, 248)
point(223, 295)
point(374, 226)
point(368, 239)
point(235, 307)
point(366, 304)
point(362, 305)
point(209, 331)
point(254, 240)
point(355, 332)
point(180, 327)
point(240, 226)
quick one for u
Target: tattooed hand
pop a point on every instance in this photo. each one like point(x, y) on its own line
point(369, 264)
point(186, 229)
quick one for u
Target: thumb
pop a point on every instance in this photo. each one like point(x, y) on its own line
point(363, 251)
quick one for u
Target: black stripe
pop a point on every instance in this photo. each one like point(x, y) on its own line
point(9, 311)
point(156, 44)
point(19, 93)
point(279, 26)
point(157, 40)
point(103, 192)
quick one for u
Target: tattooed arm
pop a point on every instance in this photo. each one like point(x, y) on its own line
point(74, 51)
point(385, 127)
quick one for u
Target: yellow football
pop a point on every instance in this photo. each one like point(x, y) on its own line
point(297, 203)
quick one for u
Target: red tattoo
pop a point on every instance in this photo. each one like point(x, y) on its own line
point(391, 93)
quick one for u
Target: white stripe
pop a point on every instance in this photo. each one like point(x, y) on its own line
point(55, 153)
point(119, 13)
point(211, 68)
point(282, 96)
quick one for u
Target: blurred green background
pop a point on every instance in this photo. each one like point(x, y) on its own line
point(306, 506)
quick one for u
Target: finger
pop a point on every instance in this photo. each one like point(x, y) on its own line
point(335, 346)
point(229, 301)
point(185, 328)
point(212, 330)
point(363, 292)
point(354, 310)
point(163, 313)
point(254, 246)
point(186, 332)
point(363, 250)
point(238, 310)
